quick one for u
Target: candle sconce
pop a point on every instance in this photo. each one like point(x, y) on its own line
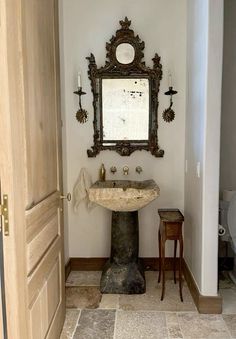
point(81, 114)
point(168, 114)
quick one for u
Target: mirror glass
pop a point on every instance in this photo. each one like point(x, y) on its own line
point(125, 53)
point(125, 109)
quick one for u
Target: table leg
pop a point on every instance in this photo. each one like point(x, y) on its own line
point(180, 267)
point(163, 267)
point(159, 244)
point(175, 248)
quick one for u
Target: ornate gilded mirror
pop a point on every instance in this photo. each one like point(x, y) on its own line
point(125, 97)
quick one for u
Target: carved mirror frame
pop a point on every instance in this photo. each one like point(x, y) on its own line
point(136, 69)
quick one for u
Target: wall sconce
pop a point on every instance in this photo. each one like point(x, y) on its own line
point(81, 114)
point(168, 114)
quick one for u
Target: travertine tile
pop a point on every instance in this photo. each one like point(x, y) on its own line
point(142, 318)
point(146, 325)
point(195, 326)
point(230, 320)
point(110, 301)
point(229, 300)
point(70, 324)
point(173, 327)
point(150, 301)
point(172, 289)
point(225, 282)
point(95, 324)
point(84, 278)
point(174, 331)
point(152, 277)
point(83, 297)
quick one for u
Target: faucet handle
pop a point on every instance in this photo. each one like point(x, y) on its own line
point(138, 169)
point(126, 170)
point(113, 169)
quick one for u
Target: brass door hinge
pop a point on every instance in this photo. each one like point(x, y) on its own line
point(4, 214)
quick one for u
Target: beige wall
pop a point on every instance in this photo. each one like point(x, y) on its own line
point(86, 26)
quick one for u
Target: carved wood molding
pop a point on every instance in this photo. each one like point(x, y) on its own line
point(136, 69)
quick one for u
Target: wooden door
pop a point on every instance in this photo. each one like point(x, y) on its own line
point(30, 168)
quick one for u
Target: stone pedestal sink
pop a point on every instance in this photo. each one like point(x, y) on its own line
point(123, 273)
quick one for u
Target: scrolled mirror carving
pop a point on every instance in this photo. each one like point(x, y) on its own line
point(125, 97)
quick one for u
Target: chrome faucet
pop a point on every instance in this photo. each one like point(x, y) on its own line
point(125, 170)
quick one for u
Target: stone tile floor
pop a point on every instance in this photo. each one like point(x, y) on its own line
point(91, 315)
point(227, 290)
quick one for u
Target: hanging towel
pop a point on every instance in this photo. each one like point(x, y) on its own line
point(81, 188)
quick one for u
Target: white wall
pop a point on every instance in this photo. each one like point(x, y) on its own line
point(86, 26)
point(204, 69)
point(228, 119)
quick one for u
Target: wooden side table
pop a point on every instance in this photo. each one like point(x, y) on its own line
point(171, 221)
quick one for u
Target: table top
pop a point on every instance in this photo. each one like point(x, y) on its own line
point(170, 215)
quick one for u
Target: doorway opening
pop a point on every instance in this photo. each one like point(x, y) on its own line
point(227, 205)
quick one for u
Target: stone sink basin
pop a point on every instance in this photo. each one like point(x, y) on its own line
point(123, 195)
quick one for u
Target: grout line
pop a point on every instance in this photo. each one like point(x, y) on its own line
point(180, 326)
point(158, 311)
point(167, 329)
point(118, 303)
point(76, 325)
point(114, 334)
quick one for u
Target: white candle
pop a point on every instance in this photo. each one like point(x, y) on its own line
point(169, 79)
point(79, 79)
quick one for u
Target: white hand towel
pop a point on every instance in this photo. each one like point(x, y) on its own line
point(81, 188)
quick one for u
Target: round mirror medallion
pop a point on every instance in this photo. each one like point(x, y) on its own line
point(125, 53)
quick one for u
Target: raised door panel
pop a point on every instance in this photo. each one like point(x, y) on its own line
point(53, 289)
point(43, 227)
point(47, 300)
point(40, 99)
point(39, 315)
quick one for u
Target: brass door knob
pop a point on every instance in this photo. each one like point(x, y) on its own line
point(68, 196)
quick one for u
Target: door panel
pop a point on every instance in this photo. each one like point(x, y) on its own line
point(40, 99)
point(45, 306)
point(37, 279)
point(53, 289)
point(42, 231)
point(38, 315)
point(43, 168)
point(39, 216)
point(30, 167)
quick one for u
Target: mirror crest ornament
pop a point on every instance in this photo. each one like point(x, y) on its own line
point(125, 97)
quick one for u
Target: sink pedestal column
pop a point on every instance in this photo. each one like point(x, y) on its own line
point(123, 273)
